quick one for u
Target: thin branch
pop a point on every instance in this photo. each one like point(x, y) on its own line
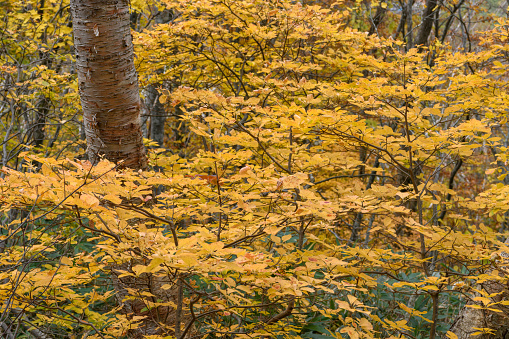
point(284, 314)
point(354, 176)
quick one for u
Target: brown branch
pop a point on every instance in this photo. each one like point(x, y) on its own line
point(236, 242)
point(80, 222)
point(263, 148)
point(193, 317)
point(283, 314)
point(451, 185)
point(353, 176)
point(153, 216)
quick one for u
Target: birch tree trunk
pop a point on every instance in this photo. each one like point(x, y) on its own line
point(108, 82)
point(470, 320)
point(109, 93)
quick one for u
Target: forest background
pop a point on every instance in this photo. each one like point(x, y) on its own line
point(314, 169)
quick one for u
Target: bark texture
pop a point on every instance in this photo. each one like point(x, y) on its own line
point(111, 104)
point(108, 81)
point(470, 320)
point(163, 320)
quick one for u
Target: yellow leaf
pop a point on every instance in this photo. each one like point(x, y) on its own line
point(66, 261)
point(89, 200)
point(365, 324)
point(113, 198)
point(230, 281)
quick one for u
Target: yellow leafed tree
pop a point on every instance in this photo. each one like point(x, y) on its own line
point(318, 178)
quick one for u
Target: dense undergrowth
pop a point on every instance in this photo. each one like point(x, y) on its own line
point(314, 181)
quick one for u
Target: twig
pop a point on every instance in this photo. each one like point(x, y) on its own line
point(110, 234)
point(283, 314)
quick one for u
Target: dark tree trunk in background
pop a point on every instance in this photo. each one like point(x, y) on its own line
point(108, 81)
point(155, 108)
point(39, 122)
point(157, 115)
point(377, 19)
point(409, 23)
point(428, 18)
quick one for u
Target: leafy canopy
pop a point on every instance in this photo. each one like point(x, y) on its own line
point(307, 195)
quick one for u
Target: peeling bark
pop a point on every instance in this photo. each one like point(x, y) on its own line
point(162, 320)
point(110, 98)
point(470, 320)
point(108, 81)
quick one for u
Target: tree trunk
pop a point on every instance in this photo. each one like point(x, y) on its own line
point(377, 19)
point(108, 81)
point(39, 122)
point(154, 107)
point(409, 23)
point(157, 115)
point(111, 104)
point(428, 18)
point(470, 320)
